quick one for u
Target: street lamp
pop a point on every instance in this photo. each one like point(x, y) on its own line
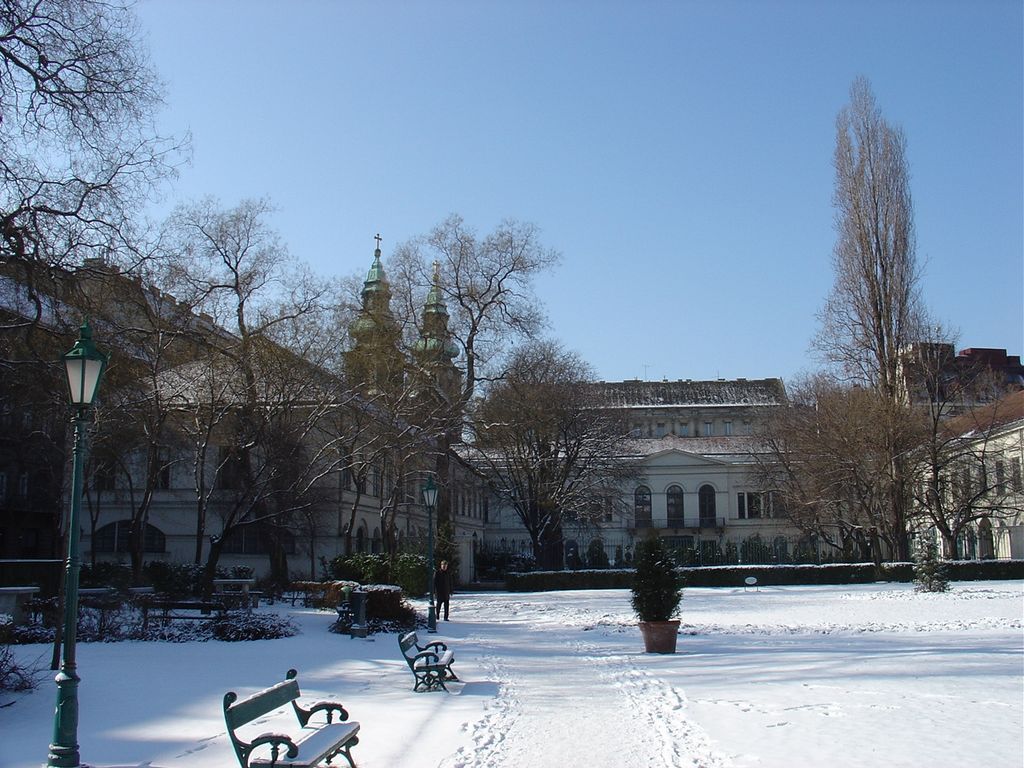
point(85, 366)
point(429, 500)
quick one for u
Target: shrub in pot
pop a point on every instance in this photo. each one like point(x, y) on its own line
point(657, 590)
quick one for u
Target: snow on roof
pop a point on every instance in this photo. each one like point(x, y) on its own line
point(736, 445)
point(665, 394)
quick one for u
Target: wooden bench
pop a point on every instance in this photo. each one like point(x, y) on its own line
point(431, 664)
point(314, 744)
point(179, 609)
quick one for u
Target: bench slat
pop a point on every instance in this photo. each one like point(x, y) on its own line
point(315, 745)
point(274, 697)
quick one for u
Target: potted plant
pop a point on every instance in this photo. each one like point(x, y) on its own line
point(657, 590)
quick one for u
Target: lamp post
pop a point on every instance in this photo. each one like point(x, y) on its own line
point(84, 365)
point(429, 500)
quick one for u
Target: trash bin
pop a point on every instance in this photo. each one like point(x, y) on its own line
point(357, 604)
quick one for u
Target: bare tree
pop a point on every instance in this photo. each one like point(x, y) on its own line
point(487, 284)
point(78, 151)
point(828, 468)
point(873, 313)
point(262, 408)
point(547, 447)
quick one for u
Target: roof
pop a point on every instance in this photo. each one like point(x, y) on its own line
point(1008, 410)
point(669, 394)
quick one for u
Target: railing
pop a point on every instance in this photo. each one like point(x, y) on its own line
point(677, 523)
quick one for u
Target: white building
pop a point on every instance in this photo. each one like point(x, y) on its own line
point(696, 487)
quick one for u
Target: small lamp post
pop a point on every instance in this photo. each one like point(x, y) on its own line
point(84, 365)
point(429, 500)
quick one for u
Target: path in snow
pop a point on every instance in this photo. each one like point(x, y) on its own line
point(623, 722)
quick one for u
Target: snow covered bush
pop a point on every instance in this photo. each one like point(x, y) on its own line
point(238, 626)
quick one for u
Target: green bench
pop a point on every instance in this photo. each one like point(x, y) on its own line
point(167, 610)
point(314, 744)
point(431, 664)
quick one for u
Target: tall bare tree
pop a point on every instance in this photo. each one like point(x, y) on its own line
point(873, 313)
point(487, 285)
point(263, 407)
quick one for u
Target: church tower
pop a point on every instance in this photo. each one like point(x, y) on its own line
point(375, 364)
point(435, 351)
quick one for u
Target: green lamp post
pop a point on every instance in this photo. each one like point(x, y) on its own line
point(429, 500)
point(84, 365)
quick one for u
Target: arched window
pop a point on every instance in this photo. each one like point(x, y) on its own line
point(642, 507)
point(375, 542)
point(361, 538)
point(706, 505)
point(674, 500)
point(114, 537)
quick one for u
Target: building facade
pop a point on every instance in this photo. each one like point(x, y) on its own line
point(695, 445)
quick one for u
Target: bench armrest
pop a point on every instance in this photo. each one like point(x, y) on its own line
point(437, 646)
point(428, 656)
point(330, 707)
point(275, 741)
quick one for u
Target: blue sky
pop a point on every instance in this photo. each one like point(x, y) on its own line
point(677, 154)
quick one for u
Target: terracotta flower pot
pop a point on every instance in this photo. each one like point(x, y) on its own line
point(660, 636)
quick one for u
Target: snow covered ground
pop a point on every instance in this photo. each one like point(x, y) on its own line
point(866, 675)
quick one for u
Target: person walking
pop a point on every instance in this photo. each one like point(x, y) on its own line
point(443, 588)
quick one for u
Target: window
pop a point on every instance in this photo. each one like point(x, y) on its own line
point(258, 540)
point(684, 429)
point(749, 505)
point(163, 472)
point(375, 481)
point(23, 485)
point(707, 506)
point(229, 470)
point(642, 507)
point(752, 505)
point(709, 429)
point(1000, 477)
point(103, 478)
point(659, 429)
point(674, 501)
point(1015, 479)
point(727, 428)
point(116, 537)
point(3, 486)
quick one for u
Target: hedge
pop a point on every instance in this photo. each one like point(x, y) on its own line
point(766, 575)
